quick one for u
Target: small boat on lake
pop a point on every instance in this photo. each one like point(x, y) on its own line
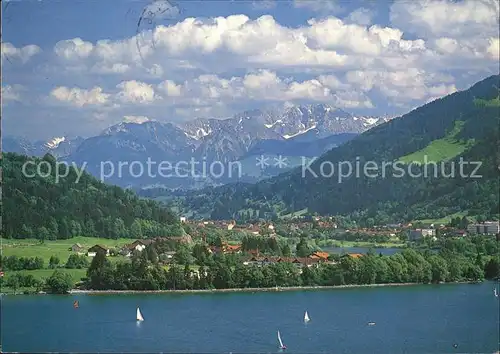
point(371, 323)
point(306, 317)
point(495, 292)
point(282, 346)
point(139, 315)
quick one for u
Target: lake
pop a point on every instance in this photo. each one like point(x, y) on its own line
point(409, 319)
point(362, 250)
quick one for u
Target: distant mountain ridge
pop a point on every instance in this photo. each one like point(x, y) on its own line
point(463, 125)
point(57, 147)
point(292, 131)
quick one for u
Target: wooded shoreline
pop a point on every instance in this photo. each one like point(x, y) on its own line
point(229, 290)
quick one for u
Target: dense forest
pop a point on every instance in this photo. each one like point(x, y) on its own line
point(462, 126)
point(41, 207)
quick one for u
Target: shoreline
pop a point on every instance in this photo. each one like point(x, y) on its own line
point(249, 290)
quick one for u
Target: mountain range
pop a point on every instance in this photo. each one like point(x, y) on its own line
point(287, 133)
point(440, 159)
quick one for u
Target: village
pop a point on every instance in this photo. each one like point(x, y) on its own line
point(229, 235)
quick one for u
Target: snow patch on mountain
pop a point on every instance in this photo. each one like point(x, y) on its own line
point(136, 119)
point(54, 142)
point(370, 121)
point(273, 124)
point(286, 136)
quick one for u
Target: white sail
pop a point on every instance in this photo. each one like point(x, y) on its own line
point(139, 315)
point(495, 291)
point(279, 339)
point(306, 317)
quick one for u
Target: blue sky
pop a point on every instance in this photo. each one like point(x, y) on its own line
point(74, 68)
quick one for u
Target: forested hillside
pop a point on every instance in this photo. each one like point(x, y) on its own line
point(459, 127)
point(43, 208)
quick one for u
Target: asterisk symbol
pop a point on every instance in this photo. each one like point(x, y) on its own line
point(262, 161)
point(280, 161)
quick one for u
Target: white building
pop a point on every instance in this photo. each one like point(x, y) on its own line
point(417, 234)
point(487, 228)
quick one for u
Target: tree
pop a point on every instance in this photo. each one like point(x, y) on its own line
point(200, 253)
point(302, 248)
point(64, 231)
point(151, 253)
point(188, 277)
point(59, 282)
point(136, 230)
point(75, 228)
point(100, 272)
point(175, 278)
point(222, 276)
point(492, 269)
point(286, 251)
point(309, 276)
point(43, 234)
point(439, 269)
point(54, 262)
point(182, 255)
point(13, 282)
point(76, 261)
point(119, 229)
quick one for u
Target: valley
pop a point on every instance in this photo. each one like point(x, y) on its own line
point(285, 220)
point(293, 132)
point(250, 176)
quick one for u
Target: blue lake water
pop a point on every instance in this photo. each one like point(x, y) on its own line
point(412, 319)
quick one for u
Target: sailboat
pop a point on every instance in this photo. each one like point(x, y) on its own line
point(495, 292)
point(306, 317)
point(282, 346)
point(139, 315)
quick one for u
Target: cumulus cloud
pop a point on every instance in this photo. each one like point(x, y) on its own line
point(80, 97)
point(222, 44)
point(237, 41)
point(446, 18)
point(213, 66)
point(262, 86)
point(403, 86)
point(136, 119)
point(24, 54)
point(136, 92)
point(73, 49)
point(206, 91)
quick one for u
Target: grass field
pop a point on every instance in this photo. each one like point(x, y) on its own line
point(59, 248)
point(441, 149)
point(488, 103)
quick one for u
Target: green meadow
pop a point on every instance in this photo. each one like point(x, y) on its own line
point(440, 149)
point(59, 248)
